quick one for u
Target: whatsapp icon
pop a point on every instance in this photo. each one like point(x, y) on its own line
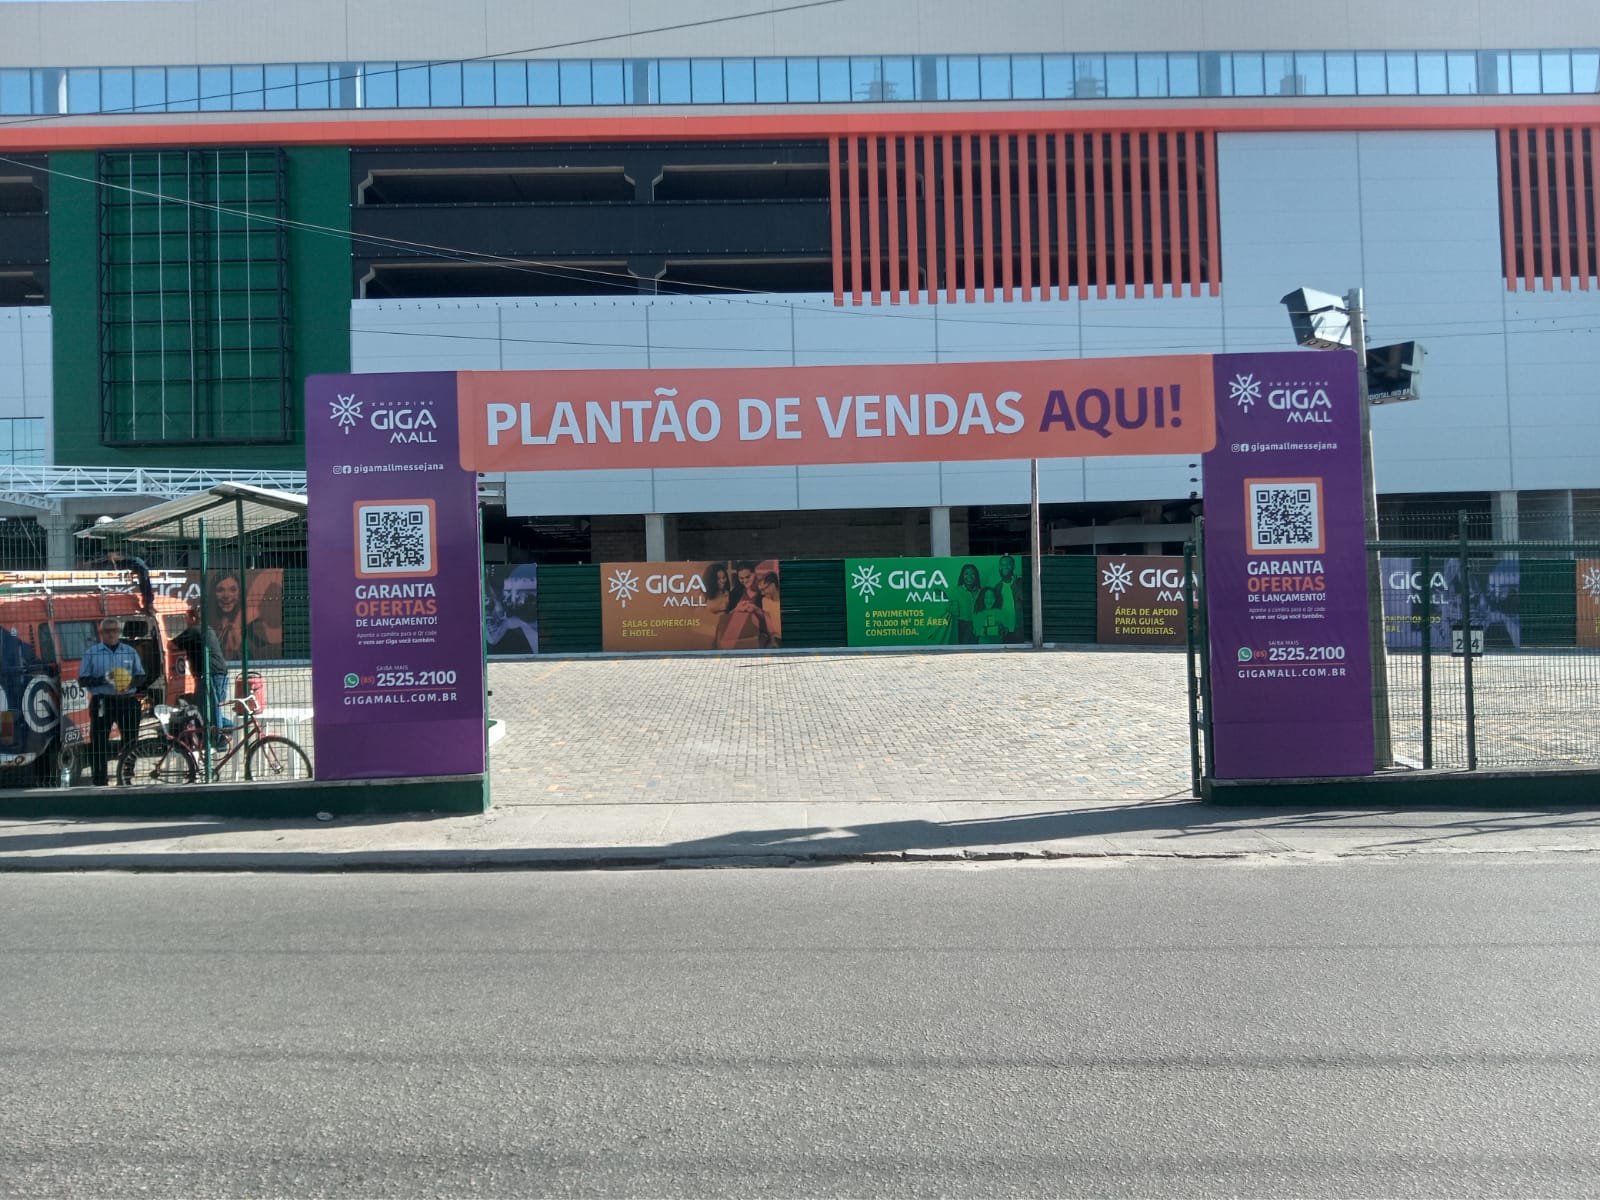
point(351, 681)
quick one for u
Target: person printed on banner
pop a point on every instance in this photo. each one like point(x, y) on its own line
point(771, 605)
point(1011, 599)
point(225, 613)
point(212, 685)
point(112, 672)
point(963, 604)
point(718, 581)
point(511, 622)
point(988, 618)
point(265, 612)
point(743, 626)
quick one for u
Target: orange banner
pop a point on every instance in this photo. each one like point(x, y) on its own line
point(728, 604)
point(794, 416)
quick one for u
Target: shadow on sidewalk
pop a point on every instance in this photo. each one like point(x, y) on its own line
point(1161, 826)
point(1180, 828)
point(90, 831)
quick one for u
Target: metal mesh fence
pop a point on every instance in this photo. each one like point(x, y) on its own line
point(1529, 612)
point(251, 594)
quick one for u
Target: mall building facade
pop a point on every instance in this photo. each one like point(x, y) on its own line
point(204, 201)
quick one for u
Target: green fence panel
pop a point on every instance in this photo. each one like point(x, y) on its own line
point(1548, 598)
point(569, 609)
point(296, 613)
point(23, 545)
point(813, 603)
point(1067, 593)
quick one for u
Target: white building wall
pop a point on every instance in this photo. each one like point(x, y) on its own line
point(54, 33)
point(1412, 218)
point(25, 368)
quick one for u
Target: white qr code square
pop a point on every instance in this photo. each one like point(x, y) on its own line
point(1284, 515)
point(395, 537)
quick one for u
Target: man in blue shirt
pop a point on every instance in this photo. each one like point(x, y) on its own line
point(112, 673)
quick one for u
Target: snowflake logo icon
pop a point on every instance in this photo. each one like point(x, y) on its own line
point(624, 585)
point(866, 580)
point(1591, 583)
point(1244, 391)
point(346, 411)
point(1116, 579)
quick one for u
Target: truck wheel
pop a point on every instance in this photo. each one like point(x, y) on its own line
point(59, 765)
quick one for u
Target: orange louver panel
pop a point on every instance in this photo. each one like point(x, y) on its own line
point(1045, 214)
point(1547, 206)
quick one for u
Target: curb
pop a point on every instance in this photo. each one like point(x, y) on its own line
point(408, 861)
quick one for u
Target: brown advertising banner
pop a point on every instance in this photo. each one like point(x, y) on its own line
point(250, 613)
point(1588, 601)
point(727, 604)
point(1139, 600)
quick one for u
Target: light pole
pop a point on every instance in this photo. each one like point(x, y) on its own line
point(1315, 317)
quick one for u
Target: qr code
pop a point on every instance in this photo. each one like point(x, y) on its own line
point(1285, 515)
point(395, 538)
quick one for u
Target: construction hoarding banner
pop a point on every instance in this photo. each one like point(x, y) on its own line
point(725, 604)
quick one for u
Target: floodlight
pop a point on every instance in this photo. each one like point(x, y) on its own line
point(1319, 319)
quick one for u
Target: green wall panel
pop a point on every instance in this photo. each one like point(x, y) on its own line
point(317, 186)
point(1548, 597)
point(813, 603)
point(1067, 592)
point(569, 609)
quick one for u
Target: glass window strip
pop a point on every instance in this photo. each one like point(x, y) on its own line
point(862, 79)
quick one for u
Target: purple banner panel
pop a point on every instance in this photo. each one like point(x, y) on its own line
point(1285, 557)
point(396, 582)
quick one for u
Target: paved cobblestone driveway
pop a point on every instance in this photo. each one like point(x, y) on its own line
point(996, 726)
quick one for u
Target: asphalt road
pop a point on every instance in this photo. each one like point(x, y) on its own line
point(1411, 1027)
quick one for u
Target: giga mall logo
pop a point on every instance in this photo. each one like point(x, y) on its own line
point(1116, 579)
point(676, 589)
point(866, 581)
point(623, 585)
point(404, 425)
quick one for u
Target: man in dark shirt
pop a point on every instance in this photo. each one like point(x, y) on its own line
point(121, 560)
point(197, 645)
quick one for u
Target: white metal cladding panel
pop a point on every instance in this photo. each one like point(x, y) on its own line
point(549, 335)
point(410, 335)
point(825, 333)
point(979, 332)
point(211, 31)
point(1413, 219)
point(1553, 376)
point(579, 493)
point(862, 485)
point(738, 489)
point(1289, 217)
point(26, 367)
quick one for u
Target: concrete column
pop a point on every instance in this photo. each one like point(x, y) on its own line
point(1547, 516)
point(1504, 512)
point(58, 542)
point(655, 537)
point(1150, 514)
point(939, 531)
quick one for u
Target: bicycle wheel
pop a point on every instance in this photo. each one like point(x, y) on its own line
point(156, 762)
point(276, 760)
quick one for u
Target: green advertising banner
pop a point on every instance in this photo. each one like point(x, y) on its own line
point(973, 600)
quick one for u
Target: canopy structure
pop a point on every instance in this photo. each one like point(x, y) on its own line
point(228, 509)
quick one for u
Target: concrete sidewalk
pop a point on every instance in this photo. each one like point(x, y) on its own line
point(730, 834)
point(749, 760)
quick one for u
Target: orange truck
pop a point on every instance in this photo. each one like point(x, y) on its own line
point(47, 620)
